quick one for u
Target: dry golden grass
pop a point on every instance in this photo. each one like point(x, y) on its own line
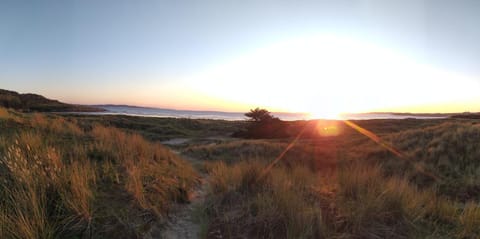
point(4, 113)
point(370, 193)
point(78, 196)
point(278, 206)
point(60, 180)
point(25, 190)
point(153, 174)
point(89, 180)
point(470, 220)
point(28, 218)
point(359, 202)
point(448, 151)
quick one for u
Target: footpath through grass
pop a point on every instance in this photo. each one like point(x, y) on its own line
point(346, 186)
point(66, 178)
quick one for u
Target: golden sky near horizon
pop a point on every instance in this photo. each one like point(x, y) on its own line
point(326, 75)
point(323, 75)
point(322, 57)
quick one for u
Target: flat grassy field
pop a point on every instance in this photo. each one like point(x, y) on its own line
point(111, 177)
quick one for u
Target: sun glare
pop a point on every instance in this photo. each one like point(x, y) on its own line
point(325, 115)
point(327, 75)
point(328, 128)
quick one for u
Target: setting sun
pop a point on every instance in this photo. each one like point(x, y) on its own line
point(327, 74)
point(239, 119)
point(325, 115)
point(326, 128)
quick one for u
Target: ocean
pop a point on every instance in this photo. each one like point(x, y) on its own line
point(192, 114)
point(219, 115)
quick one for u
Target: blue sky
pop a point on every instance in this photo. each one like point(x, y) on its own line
point(176, 53)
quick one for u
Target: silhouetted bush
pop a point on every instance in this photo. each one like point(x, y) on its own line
point(262, 125)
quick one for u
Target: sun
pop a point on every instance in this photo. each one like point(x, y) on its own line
point(327, 75)
point(332, 115)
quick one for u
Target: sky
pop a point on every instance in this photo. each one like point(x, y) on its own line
point(322, 57)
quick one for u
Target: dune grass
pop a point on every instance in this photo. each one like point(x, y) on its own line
point(157, 128)
point(62, 179)
point(354, 202)
point(343, 187)
point(447, 151)
point(91, 180)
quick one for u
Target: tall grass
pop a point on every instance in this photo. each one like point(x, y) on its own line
point(4, 113)
point(153, 175)
point(358, 201)
point(368, 193)
point(9, 116)
point(448, 151)
point(78, 196)
point(29, 217)
point(62, 180)
point(316, 155)
point(276, 206)
point(25, 188)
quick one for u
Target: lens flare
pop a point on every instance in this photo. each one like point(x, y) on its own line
point(328, 128)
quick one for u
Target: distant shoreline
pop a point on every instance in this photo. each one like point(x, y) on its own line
point(235, 116)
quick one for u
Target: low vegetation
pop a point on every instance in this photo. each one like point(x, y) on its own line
point(343, 185)
point(160, 129)
point(85, 176)
point(262, 124)
point(63, 179)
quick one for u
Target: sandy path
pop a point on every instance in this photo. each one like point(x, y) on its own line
point(181, 224)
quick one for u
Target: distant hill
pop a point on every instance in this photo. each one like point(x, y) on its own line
point(467, 115)
point(416, 114)
point(33, 102)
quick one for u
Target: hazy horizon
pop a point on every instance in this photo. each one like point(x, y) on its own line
point(321, 57)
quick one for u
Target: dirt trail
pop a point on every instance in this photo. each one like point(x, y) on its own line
point(181, 224)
